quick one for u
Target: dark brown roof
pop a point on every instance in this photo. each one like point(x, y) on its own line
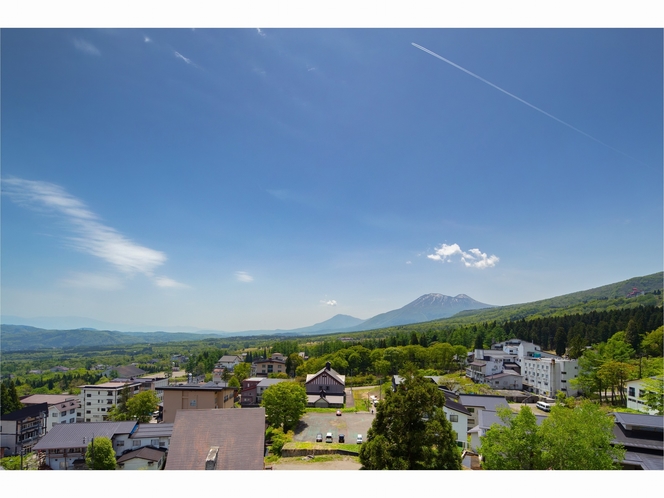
point(238, 432)
point(150, 454)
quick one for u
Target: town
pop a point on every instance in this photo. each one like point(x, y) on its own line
point(246, 415)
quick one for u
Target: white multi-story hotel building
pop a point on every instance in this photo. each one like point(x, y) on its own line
point(547, 376)
point(97, 400)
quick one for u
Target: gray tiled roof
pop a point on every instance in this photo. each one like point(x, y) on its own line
point(487, 418)
point(488, 402)
point(145, 431)
point(645, 460)
point(641, 420)
point(238, 432)
point(72, 435)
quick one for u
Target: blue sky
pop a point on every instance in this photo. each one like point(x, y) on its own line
point(237, 179)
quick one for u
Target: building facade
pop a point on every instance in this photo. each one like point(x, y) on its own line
point(548, 376)
point(97, 400)
point(21, 429)
point(275, 364)
point(196, 397)
point(635, 391)
point(62, 408)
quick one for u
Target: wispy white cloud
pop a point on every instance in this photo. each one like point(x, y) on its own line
point(169, 283)
point(260, 32)
point(147, 39)
point(330, 302)
point(94, 281)
point(473, 258)
point(243, 276)
point(88, 234)
point(409, 262)
point(85, 46)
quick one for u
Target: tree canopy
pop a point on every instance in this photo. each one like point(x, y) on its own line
point(571, 438)
point(142, 405)
point(100, 454)
point(514, 446)
point(284, 404)
point(410, 430)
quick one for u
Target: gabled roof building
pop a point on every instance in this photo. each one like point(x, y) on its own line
point(326, 388)
point(218, 440)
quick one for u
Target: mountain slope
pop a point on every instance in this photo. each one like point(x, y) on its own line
point(614, 295)
point(337, 322)
point(20, 337)
point(423, 309)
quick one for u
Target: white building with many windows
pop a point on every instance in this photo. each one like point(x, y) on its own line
point(547, 376)
point(97, 400)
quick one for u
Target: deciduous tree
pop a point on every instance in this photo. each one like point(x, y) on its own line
point(141, 406)
point(284, 404)
point(579, 438)
point(100, 454)
point(514, 446)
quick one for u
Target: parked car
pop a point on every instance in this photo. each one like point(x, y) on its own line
point(359, 439)
point(319, 438)
point(328, 438)
point(342, 438)
point(338, 413)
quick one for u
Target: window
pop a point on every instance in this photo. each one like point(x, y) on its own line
point(89, 403)
point(454, 418)
point(136, 442)
point(73, 410)
point(471, 410)
point(642, 393)
point(55, 414)
point(89, 395)
point(154, 442)
point(632, 391)
point(192, 402)
point(88, 411)
point(109, 401)
point(63, 414)
point(162, 444)
point(119, 443)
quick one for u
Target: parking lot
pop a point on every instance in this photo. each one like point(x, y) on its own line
point(349, 424)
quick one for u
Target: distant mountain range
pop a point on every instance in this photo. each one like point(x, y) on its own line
point(20, 333)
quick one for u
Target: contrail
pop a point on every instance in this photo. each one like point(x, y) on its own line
point(522, 101)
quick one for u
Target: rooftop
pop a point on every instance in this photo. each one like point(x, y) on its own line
point(239, 434)
point(79, 435)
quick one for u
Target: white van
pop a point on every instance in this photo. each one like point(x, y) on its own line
point(546, 407)
point(328, 437)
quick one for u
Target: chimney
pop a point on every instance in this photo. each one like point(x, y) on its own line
point(328, 365)
point(211, 460)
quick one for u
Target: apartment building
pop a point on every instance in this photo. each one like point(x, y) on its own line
point(97, 400)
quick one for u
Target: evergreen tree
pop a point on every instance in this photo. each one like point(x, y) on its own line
point(411, 431)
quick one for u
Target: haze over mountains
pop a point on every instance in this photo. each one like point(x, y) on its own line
point(20, 336)
point(425, 308)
